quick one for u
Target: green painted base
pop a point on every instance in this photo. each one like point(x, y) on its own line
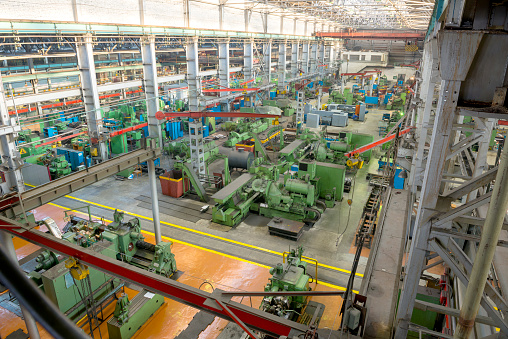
point(141, 308)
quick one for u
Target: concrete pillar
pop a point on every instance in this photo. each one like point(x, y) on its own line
point(195, 126)
point(313, 59)
point(295, 48)
point(10, 155)
point(267, 48)
point(224, 65)
point(13, 178)
point(31, 325)
point(281, 66)
point(305, 56)
point(90, 93)
point(154, 130)
point(248, 67)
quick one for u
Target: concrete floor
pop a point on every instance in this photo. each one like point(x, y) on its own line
point(330, 240)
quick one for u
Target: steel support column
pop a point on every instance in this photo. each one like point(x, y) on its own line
point(305, 56)
point(331, 59)
point(485, 252)
point(35, 84)
point(267, 60)
point(321, 59)
point(224, 66)
point(295, 49)
point(452, 45)
point(154, 130)
point(90, 93)
point(281, 66)
point(31, 325)
point(430, 74)
point(10, 156)
point(248, 67)
point(428, 201)
point(195, 126)
point(313, 59)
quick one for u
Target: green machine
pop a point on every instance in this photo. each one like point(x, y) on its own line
point(235, 138)
point(120, 241)
point(336, 97)
point(292, 276)
point(330, 185)
point(286, 106)
point(30, 150)
point(261, 191)
point(180, 150)
point(130, 315)
point(295, 200)
point(26, 135)
point(119, 144)
point(57, 165)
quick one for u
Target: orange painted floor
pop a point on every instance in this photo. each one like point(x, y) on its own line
point(198, 266)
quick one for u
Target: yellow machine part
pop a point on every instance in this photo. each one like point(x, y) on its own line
point(94, 152)
point(78, 271)
point(354, 163)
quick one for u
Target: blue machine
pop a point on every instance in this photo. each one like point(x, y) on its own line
point(74, 157)
point(387, 97)
point(206, 131)
point(50, 132)
point(371, 100)
point(174, 129)
point(273, 94)
point(157, 162)
point(398, 182)
point(112, 124)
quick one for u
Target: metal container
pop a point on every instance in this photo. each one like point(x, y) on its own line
point(340, 119)
point(297, 186)
point(312, 120)
point(240, 159)
point(339, 146)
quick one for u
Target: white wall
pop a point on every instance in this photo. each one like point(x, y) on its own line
point(169, 13)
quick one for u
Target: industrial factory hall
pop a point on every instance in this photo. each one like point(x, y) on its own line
point(248, 169)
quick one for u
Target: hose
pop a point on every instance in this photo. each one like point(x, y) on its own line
point(315, 211)
point(322, 203)
point(38, 304)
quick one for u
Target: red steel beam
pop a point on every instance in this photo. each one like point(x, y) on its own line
point(246, 82)
point(352, 74)
point(377, 143)
point(128, 129)
point(196, 115)
point(230, 89)
point(58, 139)
point(71, 102)
point(194, 297)
point(370, 35)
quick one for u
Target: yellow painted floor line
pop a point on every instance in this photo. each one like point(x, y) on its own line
point(202, 248)
point(208, 234)
point(205, 234)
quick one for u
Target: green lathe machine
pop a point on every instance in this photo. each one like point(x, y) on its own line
point(292, 275)
point(120, 241)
